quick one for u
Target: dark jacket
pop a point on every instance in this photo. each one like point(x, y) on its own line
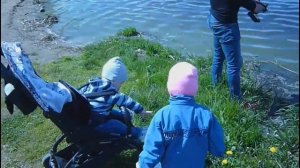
point(226, 11)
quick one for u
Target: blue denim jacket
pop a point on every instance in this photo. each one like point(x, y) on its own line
point(180, 135)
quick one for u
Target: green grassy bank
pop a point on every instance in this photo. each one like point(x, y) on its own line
point(249, 132)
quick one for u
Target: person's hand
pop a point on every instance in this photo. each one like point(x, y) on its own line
point(146, 112)
point(259, 8)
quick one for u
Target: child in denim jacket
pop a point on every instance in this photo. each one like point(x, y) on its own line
point(183, 132)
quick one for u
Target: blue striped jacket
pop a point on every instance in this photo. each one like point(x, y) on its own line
point(104, 104)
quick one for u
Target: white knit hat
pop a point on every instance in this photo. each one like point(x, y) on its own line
point(115, 70)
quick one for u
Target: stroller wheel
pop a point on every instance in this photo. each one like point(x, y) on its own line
point(46, 160)
point(60, 162)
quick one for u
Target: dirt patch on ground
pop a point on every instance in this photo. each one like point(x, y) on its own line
point(22, 21)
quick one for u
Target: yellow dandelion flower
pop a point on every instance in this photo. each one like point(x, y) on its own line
point(224, 162)
point(229, 152)
point(273, 149)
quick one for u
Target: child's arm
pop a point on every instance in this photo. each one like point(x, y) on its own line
point(153, 146)
point(121, 99)
point(216, 144)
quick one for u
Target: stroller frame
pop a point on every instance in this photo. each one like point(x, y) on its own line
point(86, 146)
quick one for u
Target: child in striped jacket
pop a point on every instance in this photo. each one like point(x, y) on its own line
point(104, 116)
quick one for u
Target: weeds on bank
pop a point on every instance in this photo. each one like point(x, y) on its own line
point(252, 139)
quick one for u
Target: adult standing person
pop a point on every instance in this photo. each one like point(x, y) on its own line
point(223, 21)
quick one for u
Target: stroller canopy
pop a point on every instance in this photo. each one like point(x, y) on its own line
point(49, 96)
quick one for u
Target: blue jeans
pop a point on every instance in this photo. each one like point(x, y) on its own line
point(226, 46)
point(116, 127)
point(113, 125)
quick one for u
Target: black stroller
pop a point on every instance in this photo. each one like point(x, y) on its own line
point(66, 108)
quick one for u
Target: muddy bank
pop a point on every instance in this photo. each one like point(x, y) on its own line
point(280, 83)
point(28, 23)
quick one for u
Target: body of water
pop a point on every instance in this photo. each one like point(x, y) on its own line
point(182, 25)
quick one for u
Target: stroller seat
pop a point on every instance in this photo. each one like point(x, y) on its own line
point(65, 107)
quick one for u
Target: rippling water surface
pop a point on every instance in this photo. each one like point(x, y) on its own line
point(181, 24)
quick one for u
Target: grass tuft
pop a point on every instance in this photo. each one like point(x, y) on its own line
point(128, 32)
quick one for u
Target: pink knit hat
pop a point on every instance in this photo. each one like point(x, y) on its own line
point(183, 80)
